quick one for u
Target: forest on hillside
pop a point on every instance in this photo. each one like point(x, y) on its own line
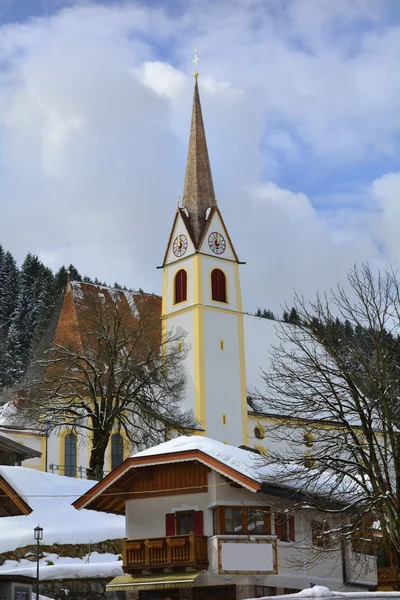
point(27, 298)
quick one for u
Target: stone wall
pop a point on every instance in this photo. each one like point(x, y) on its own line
point(71, 550)
point(79, 589)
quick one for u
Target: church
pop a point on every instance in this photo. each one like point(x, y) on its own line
point(226, 349)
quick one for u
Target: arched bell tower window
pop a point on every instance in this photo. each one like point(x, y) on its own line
point(218, 285)
point(180, 286)
point(117, 450)
point(70, 455)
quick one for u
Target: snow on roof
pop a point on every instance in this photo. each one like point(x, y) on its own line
point(256, 467)
point(320, 591)
point(244, 461)
point(50, 497)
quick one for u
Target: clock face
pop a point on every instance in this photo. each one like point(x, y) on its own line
point(180, 245)
point(217, 242)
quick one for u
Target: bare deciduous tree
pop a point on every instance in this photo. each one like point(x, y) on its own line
point(335, 377)
point(116, 372)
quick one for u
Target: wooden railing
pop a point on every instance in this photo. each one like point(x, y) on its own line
point(177, 551)
point(387, 578)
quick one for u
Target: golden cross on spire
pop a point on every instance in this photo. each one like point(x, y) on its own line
point(195, 61)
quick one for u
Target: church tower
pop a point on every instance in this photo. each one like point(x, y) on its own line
point(201, 295)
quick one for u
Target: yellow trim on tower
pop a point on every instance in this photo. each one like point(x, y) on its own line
point(239, 305)
point(198, 342)
point(164, 293)
point(243, 391)
point(242, 356)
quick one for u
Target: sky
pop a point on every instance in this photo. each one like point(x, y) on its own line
point(301, 107)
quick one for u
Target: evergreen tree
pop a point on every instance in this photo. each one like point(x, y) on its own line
point(12, 364)
point(9, 289)
point(33, 282)
point(74, 274)
point(293, 317)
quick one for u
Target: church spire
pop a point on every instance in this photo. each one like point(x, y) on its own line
point(198, 192)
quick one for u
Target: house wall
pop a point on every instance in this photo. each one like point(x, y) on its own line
point(297, 567)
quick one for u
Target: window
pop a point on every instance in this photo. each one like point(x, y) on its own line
point(308, 439)
point(184, 523)
point(117, 450)
point(309, 461)
point(180, 286)
point(320, 539)
point(250, 520)
point(70, 455)
point(259, 432)
point(218, 285)
point(233, 520)
point(264, 590)
point(285, 527)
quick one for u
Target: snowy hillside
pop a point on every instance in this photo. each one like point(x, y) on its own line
point(50, 497)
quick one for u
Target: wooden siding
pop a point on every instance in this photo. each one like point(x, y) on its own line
point(152, 481)
point(165, 552)
point(169, 480)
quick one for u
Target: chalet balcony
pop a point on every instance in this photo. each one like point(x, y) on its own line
point(165, 553)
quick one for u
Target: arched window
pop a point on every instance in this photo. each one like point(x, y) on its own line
point(180, 291)
point(117, 450)
point(70, 455)
point(218, 285)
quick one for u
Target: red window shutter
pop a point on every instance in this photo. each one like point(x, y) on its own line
point(198, 522)
point(170, 524)
point(278, 526)
point(180, 286)
point(291, 528)
point(218, 285)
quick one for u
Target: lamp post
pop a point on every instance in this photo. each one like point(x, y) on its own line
point(46, 431)
point(38, 535)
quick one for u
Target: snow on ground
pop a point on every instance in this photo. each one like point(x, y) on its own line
point(75, 569)
point(50, 497)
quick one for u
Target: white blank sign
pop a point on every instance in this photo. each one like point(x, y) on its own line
point(247, 557)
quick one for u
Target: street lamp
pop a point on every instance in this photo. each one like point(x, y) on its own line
point(46, 431)
point(38, 535)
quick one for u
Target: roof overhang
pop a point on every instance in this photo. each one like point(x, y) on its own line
point(9, 445)
point(88, 499)
point(11, 503)
point(157, 581)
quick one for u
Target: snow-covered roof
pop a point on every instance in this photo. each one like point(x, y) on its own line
point(50, 497)
point(257, 468)
point(243, 461)
point(320, 591)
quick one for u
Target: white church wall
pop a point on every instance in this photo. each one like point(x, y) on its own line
point(185, 321)
point(223, 377)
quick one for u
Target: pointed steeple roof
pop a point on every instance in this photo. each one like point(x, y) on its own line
point(198, 192)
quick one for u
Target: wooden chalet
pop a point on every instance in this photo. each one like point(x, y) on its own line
point(13, 453)
point(11, 502)
point(200, 515)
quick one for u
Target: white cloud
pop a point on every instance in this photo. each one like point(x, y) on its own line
point(95, 120)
